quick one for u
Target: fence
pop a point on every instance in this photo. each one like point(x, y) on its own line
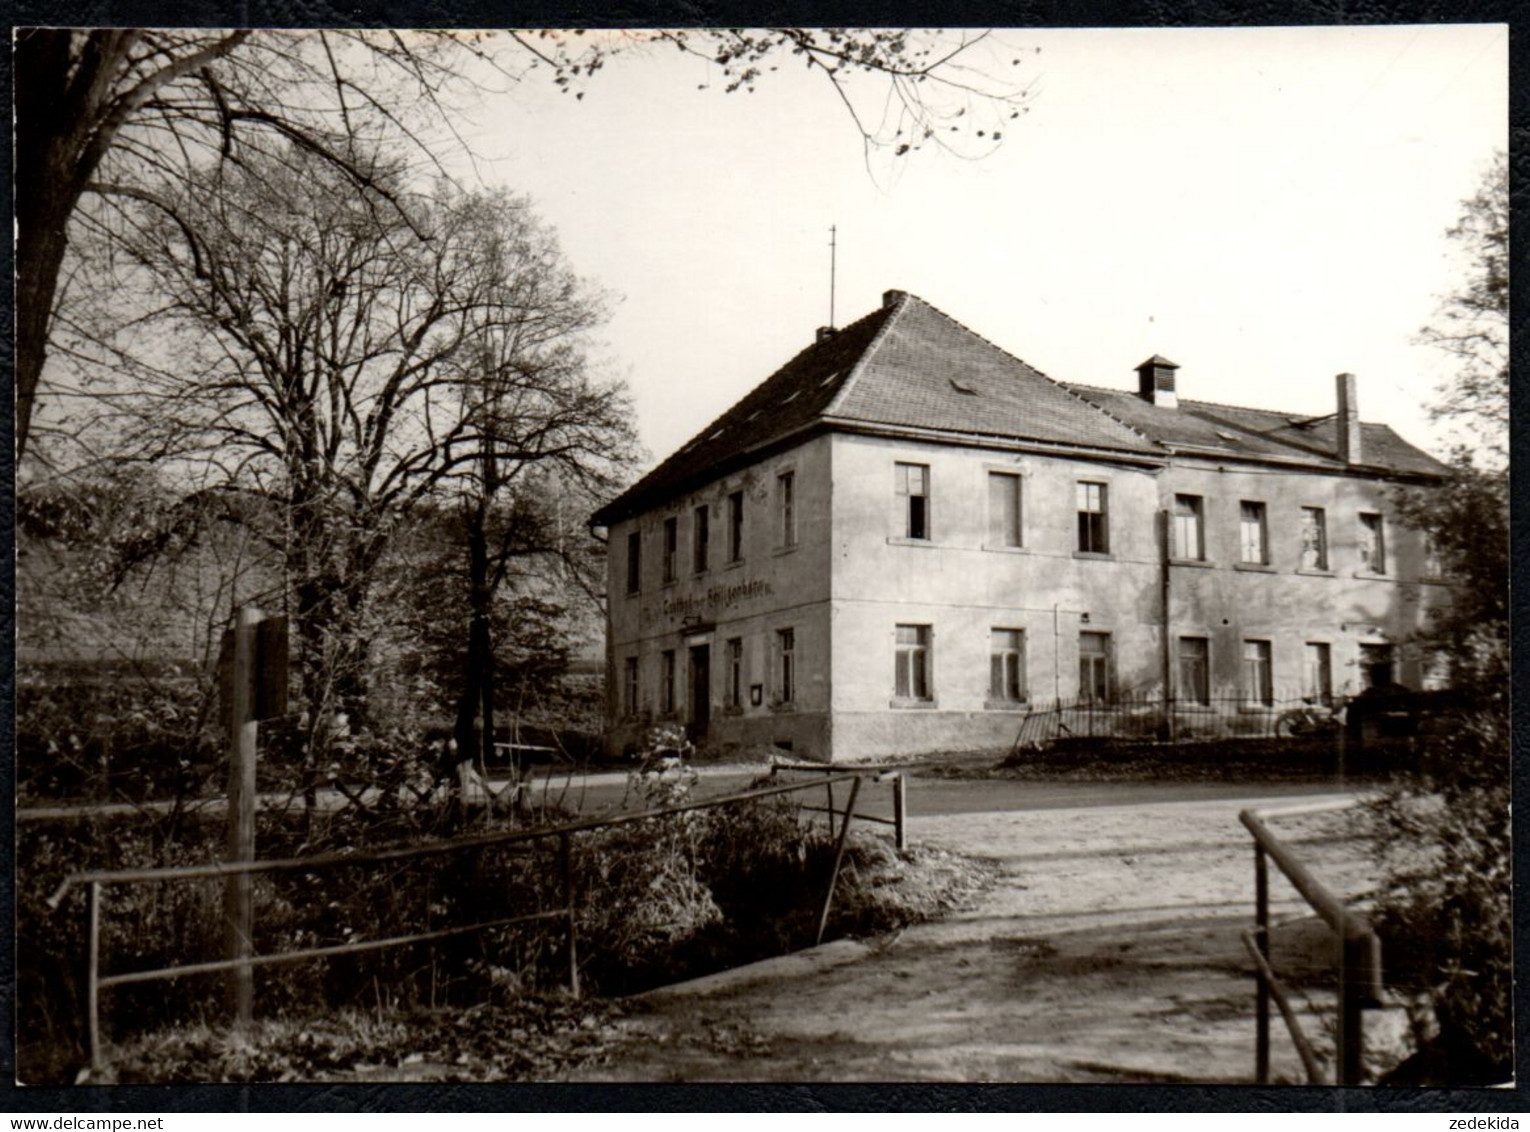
point(899, 819)
point(1358, 958)
point(97, 882)
point(1148, 717)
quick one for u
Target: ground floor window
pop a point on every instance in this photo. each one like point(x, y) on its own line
point(1195, 670)
point(1258, 676)
point(786, 665)
point(1094, 681)
point(1317, 673)
point(735, 672)
point(911, 675)
point(1006, 666)
point(630, 685)
point(1375, 666)
point(667, 682)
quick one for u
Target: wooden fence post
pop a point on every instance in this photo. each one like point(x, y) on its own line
point(238, 908)
point(900, 811)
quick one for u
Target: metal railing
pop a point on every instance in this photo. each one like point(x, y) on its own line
point(899, 819)
point(96, 883)
point(1358, 957)
point(1149, 717)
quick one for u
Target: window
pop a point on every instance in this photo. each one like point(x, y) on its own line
point(1258, 679)
point(667, 682)
point(1195, 670)
point(1093, 524)
point(1253, 539)
point(785, 486)
point(786, 665)
point(630, 685)
point(736, 672)
point(1317, 673)
point(1373, 549)
point(1003, 509)
point(1189, 537)
point(1006, 666)
point(671, 546)
point(913, 486)
point(1094, 667)
point(911, 674)
point(736, 527)
point(634, 562)
point(1434, 561)
point(1314, 539)
point(699, 536)
point(1375, 666)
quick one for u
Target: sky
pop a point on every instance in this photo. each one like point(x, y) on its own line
point(1265, 207)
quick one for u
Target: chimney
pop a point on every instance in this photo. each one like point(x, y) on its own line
point(1155, 382)
point(1347, 420)
point(825, 333)
point(890, 297)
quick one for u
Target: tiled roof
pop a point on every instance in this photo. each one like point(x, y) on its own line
point(908, 365)
point(1260, 433)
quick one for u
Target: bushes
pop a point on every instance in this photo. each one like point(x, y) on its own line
point(1446, 914)
point(658, 900)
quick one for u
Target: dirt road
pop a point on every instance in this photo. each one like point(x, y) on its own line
point(1109, 951)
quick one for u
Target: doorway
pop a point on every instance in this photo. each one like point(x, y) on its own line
point(701, 692)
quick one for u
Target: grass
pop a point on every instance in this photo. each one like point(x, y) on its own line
point(510, 1034)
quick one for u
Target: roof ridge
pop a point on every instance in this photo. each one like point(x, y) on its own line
point(1222, 404)
point(1044, 376)
point(840, 394)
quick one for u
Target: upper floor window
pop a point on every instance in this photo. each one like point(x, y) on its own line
point(1434, 560)
point(1094, 676)
point(1195, 670)
point(1004, 509)
point(700, 533)
point(671, 546)
point(1093, 518)
point(1006, 665)
point(786, 484)
point(911, 666)
point(1253, 538)
point(1258, 674)
point(913, 486)
point(1314, 539)
point(1373, 550)
point(1189, 533)
point(634, 561)
point(736, 527)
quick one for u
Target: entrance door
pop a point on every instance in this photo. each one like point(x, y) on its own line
point(701, 691)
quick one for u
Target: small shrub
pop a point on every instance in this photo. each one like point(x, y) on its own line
point(1446, 914)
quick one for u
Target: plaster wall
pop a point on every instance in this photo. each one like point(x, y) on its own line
point(775, 584)
point(960, 586)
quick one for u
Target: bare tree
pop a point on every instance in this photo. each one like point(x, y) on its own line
point(330, 356)
point(144, 111)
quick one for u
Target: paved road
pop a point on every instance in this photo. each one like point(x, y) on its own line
point(607, 791)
